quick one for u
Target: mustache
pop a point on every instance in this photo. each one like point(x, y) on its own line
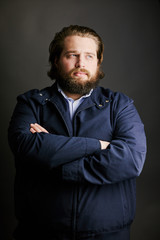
point(71, 73)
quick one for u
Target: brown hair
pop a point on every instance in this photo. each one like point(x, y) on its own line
point(56, 46)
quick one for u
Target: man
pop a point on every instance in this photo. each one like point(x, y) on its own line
point(78, 149)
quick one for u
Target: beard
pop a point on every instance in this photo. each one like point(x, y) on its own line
point(75, 85)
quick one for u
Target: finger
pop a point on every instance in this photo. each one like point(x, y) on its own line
point(35, 128)
point(38, 128)
point(41, 128)
point(107, 144)
point(32, 130)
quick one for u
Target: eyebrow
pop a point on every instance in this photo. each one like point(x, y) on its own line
point(74, 51)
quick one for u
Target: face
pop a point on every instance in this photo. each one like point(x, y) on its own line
point(78, 65)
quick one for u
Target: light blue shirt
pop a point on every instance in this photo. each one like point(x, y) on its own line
point(73, 104)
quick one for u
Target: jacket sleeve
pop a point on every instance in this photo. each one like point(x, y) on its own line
point(123, 159)
point(43, 148)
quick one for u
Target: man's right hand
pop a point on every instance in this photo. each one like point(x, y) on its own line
point(35, 127)
point(104, 144)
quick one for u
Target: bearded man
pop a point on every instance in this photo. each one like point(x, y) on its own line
point(78, 149)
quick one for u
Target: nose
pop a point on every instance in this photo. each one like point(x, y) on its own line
point(80, 63)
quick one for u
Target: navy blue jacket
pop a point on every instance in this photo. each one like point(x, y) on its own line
point(64, 181)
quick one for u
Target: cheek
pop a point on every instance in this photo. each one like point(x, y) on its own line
point(94, 68)
point(67, 65)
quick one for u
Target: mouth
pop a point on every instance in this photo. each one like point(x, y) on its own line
point(80, 74)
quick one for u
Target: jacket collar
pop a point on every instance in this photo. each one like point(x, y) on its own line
point(99, 97)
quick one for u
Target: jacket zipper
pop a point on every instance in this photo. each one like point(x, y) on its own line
point(76, 188)
point(83, 109)
point(62, 118)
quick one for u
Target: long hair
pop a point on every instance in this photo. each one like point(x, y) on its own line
point(56, 46)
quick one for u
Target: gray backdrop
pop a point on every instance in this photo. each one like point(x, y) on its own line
point(131, 33)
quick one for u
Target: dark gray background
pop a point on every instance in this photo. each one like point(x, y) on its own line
point(131, 33)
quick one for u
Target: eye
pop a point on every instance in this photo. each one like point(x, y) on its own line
point(89, 56)
point(72, 55)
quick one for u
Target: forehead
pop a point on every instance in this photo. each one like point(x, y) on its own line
point(78, 43)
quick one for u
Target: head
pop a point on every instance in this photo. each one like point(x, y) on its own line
point(72, 38)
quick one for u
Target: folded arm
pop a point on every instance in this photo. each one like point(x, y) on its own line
point(36, 128)
point(123, 159)
point(42, 148)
